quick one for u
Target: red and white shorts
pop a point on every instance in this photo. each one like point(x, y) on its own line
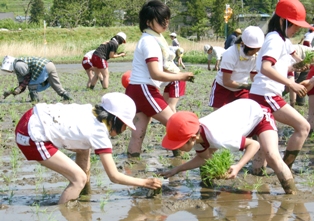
point(32, 150)
point(267, 123)
point(309, 76)
point(147, 98)
point(86, 63)
point(99, 62)
point(221, 96)
point(175, 89)
point(274, 103)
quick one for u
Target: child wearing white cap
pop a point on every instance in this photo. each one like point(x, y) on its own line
point(174, 39)
point(236, 67)
point(215, 52)
point(46, 128)
point(101, 56)
point(272, 63)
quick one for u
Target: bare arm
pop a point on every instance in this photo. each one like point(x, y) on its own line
point(251, 148)
point(156, 74)
point(268, 71)
point(114, 55)
point(228, 82)
point(116, 177)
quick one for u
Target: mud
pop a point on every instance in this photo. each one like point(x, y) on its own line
point(31, 192)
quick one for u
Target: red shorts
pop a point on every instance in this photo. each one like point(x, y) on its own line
point(309, 76)
point(175, 89)
point(99, 62)
point(307, 43)
point(32, 150)
point(221, 96)
point(274, 103)
point(267, 123)
point(147, 98)
point(86, 63)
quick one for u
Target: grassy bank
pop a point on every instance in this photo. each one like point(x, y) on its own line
point(70, 45)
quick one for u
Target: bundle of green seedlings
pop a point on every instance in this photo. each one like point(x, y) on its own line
point(196, 71)
point(308, 60)
point(217, 166)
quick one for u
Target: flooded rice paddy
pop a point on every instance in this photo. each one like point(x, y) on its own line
point(29, 191)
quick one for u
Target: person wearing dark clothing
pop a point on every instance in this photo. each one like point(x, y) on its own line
point(232, 38)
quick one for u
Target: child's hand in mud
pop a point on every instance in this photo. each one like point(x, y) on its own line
point(233, 171)
point(169, 173)
point(152, 183)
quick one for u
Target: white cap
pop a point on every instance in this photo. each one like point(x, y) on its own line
point(7, 63)
point(120, 105)
point(173, 34)
point(253, 37)
point(122, 35)
point(206, 48)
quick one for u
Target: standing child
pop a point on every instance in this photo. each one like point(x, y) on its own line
point(237, 65)
point(272, 64)
point(101, 56)
point(151, 69)
point(46, 128)
point(88, 67)
point(220, 129)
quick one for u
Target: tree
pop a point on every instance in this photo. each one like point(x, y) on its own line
point(132, 9)
point(103, 12)
point(37, 11)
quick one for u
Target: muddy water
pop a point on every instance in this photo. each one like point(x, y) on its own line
point(31, 192)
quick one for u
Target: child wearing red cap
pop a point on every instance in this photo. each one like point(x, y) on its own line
point(272, 64)
point(237, 66)
point(151, 70)
point(220, 129)
point(102, 54)
point(46, 128)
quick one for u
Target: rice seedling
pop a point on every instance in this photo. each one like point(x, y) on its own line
point(309, 59)
point(217, 166)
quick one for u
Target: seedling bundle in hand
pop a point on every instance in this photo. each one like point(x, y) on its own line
point(307, 61)
point(195, 71)
point(217, 167)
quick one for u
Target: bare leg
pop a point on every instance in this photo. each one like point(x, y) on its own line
point(311, 111)
point(172, 102)
point(70, 170)
point(105, 74)
point(83, 160)
point(269, 143)
point(90, 75)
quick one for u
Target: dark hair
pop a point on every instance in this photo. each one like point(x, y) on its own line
point(274, 25)
point(119, 39)
point(154, 9)
point(246, 49)
point(114, 122)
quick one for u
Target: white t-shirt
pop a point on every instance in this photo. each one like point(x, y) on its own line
point(147, 47)
point(89, 54)
point(280, 50)
point(236, 63)
point(231, 124)
point(216, 53)
point(309, 36)
point(70, 126)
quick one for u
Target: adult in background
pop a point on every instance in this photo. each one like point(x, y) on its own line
point(174, 39)
point(88, 67)
point(215, 52)
point(101, 56)
point(46, 128)
point(36, 73)
point(232, 38)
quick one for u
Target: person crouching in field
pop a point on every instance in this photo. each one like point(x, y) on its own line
point(220, 129)
point(102, 54)
point(46, 128)
point(89, 69)
point(36, 73)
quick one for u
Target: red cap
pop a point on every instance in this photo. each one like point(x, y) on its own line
point(125, 79)
point(293, 11)
point(181, 126)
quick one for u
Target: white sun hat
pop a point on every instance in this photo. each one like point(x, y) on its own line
point(253, 37)
point(173, 34)
point(206, 48)
point(120, 105)
point(122, 35)
point(7, 63)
